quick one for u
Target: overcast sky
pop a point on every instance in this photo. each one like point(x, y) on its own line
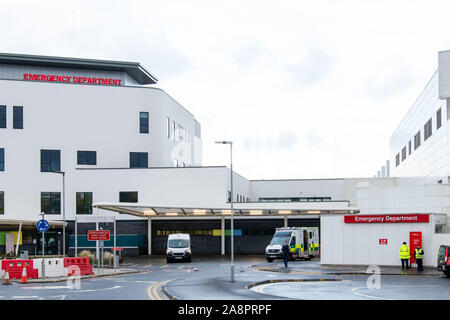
point(305, 89)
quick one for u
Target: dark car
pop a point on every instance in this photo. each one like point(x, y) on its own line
point(443, 263)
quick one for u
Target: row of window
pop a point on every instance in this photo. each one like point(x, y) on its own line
point(176, 132)
point(296, 199)
point(427, 132)
point(51, 201)
point(239, 198)
point(217, 232)
point(17, 117)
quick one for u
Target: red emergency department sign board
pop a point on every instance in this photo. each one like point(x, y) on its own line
point(72, 79)
point(386, 218)
point(383, 241)
point(95, 235)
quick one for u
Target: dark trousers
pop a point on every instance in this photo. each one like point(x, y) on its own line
point(405, 262)
point(286, 259)
point(419, 264)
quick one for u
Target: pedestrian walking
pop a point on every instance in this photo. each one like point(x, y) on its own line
point(418, 254)
point(286, 252)
point(404, 255)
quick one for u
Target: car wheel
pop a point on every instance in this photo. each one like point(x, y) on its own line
point(447, 274)
point(168, 260)
point(269, 260)
point(188, 260)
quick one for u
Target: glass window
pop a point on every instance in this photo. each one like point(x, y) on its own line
point(84, 202)
point(128, 196)
point(409, 147)
point(50, 160)
point(168, 128)
point(438, 119)
point(51, 202)
point(138, 160)
point(417, 140)
point(2, 202)
point(143, 122)
point(2, 159)
point(404, 153)
point(17, 117)
point(87, 157)
point(2, 116)
point(173, 130)
point(397, 159)
point(427, 130)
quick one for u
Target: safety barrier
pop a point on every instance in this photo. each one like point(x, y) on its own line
point(54, 267)
point(82, 263)
point(15, 268)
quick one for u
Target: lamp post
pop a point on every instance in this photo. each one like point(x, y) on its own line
point(64, 209)
point(231, 206)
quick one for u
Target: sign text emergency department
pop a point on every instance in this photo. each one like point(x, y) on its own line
point(71, 79)
point(395, 218)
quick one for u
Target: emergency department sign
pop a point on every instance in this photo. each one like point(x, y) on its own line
point(386, 218)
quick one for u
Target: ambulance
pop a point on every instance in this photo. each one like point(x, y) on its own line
point(303, 242)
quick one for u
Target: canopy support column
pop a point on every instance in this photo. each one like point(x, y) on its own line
point(222, 235)
point(149, 236)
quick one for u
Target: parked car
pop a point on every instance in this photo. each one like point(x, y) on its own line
point(443, 263)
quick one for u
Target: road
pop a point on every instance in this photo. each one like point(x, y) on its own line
point(207, 278)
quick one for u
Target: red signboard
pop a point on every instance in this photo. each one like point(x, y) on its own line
point(387, 218)
point(71, 79)
point(415, 238)
point(383, 241)
point(102, 235)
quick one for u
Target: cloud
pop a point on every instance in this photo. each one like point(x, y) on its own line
point(284, 141)
point(249, 55)
point(314, 68)
point(386, 84)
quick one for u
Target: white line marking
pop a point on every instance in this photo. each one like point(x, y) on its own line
point(61, 296)
point(366, 295)
point(165, 266)
point(26, 297)
point(47, 288)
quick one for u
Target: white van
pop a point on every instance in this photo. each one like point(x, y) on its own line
point(178, 247)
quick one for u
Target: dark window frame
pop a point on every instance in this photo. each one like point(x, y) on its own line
point(404, 153)
point(144, 122)
point(2, 159)
point(50, 160)
point(53, 205)
point(438, 118)
point(17, 117)
point(83, 206)
point(3, 116)
point(128, 196)
point(397, 160)
point(2, 202)
point(138, 159)
point(427, 130)
point(87, 157)
point(417, 140)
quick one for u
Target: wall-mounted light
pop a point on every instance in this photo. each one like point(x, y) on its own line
point(284, 211)
point(199, 211)
point(256, 212)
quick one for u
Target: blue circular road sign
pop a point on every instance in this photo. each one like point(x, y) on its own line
point(42, 225)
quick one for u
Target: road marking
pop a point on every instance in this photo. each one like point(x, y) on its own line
point(61, 296)
point(47, 288)
point(152, 291)
point(26, 297)
point(164, 266)
point(93, 290)
point(368, 296)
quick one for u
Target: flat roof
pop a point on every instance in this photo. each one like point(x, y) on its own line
point(134, 69)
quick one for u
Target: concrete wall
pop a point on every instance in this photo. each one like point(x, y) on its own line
point(357, 243)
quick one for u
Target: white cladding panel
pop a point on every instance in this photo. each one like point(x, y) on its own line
point(358, 243)
point(432, 158)
point(444, 74)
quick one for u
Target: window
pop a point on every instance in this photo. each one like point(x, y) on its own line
point(409, 147)
point(229, 196)
point(2, 202)
point(404, 153)
point(173, 130)
point(50, 160)
point(143, 122)
point(2, 116)
point(17, 117)
point(87, 157)
point(417, 140)
point(2, 159)
point(128, 196)
point(438, 119)
point(51, 202)
point(397, 159)
point(168, 128)
point(84, 202)
point(427, 130)
point(138, 160)
point(180, 132)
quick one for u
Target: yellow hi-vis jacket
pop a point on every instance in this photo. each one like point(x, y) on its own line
point(418, 253)
point(404, 252)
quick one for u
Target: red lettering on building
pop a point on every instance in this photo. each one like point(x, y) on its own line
point(69, 79)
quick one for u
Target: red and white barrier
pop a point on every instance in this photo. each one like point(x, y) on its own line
point(54, 267)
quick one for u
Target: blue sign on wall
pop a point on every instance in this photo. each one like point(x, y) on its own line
point(42, 225)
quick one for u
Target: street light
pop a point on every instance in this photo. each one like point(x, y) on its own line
point(231, 204)
point(64, 209)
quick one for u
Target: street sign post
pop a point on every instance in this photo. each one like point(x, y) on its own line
point(42, 226)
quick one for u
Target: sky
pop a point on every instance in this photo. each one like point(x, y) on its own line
point(304, 89)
